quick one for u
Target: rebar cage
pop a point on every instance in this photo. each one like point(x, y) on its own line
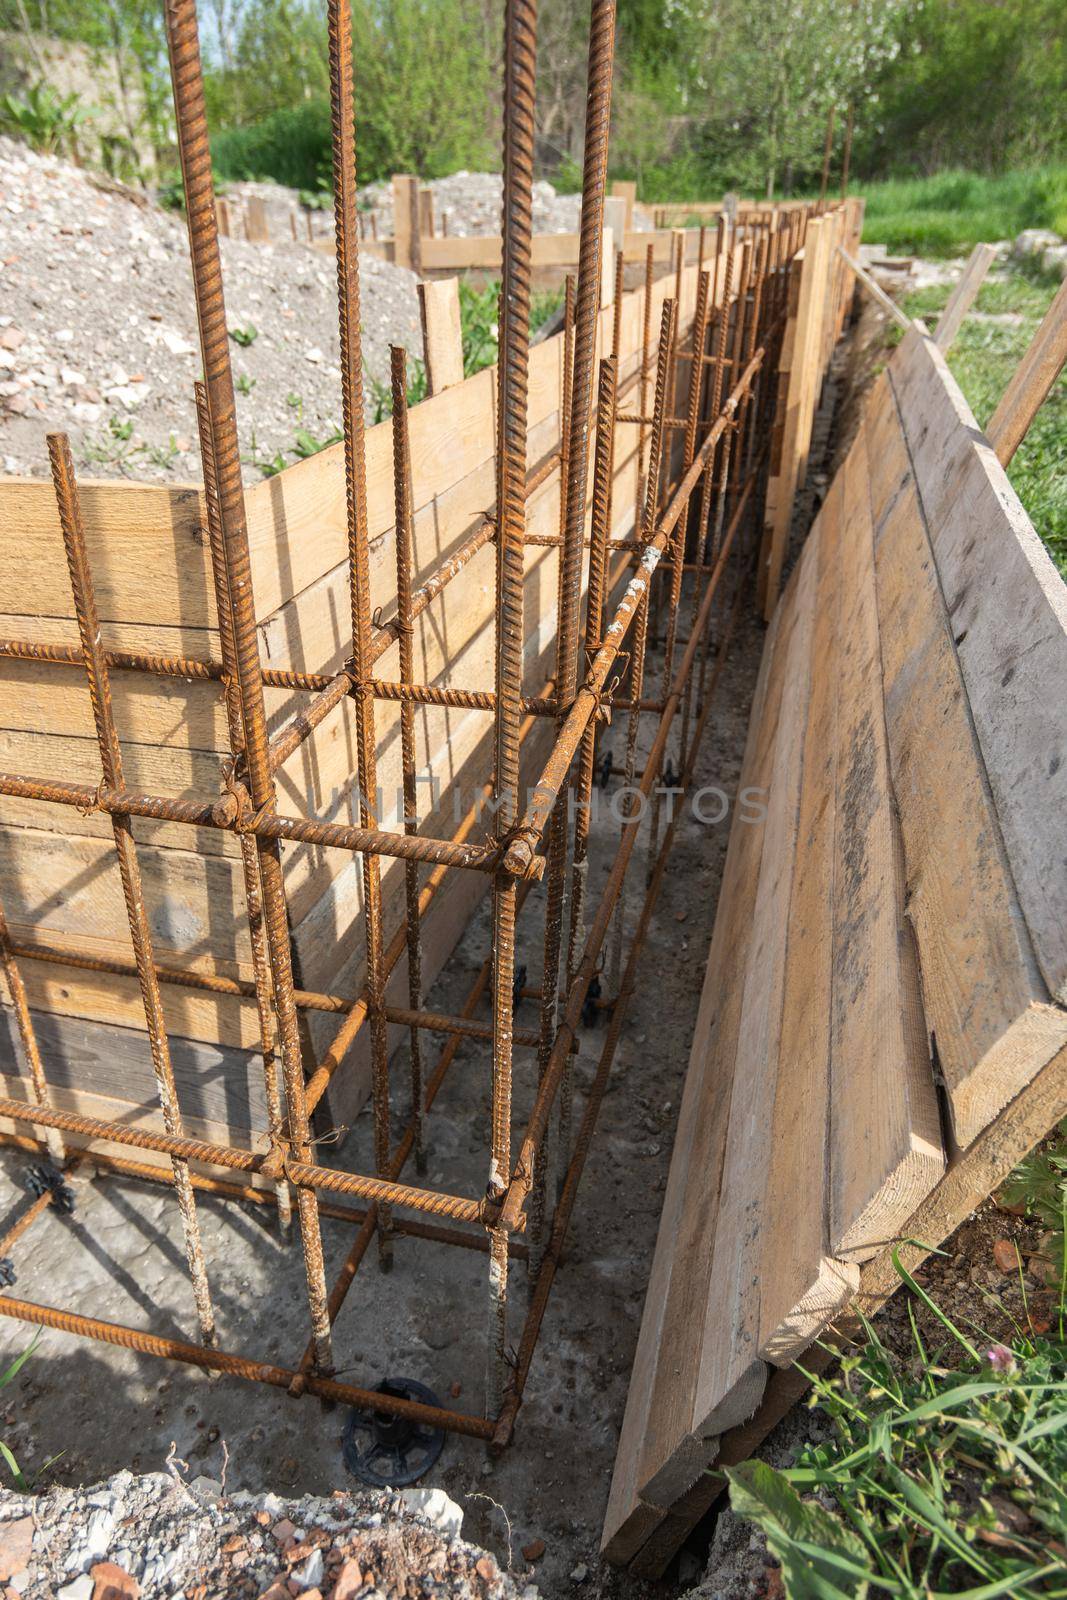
point(704, 409)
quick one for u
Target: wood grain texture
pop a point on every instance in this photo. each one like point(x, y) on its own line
point(885, 1142)
point(654, 1422)
point(986, 1006)
point(798, 1279)
point(963, 294)
point(1008, 606)
point(1031, 381)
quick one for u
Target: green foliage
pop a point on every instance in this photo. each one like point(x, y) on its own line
point(1040, 1184)
point(244, 336)
point(974, 83)
point(44, 119)
point(945, 1474)
point(291, 145)
point(983, 357)
point(945, 215)
point(479, 311)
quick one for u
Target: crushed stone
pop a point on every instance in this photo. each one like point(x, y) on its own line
point(98, 330)
point(159, 1535)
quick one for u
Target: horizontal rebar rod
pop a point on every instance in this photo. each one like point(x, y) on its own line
point(301, 1173)
point(297, 830)
point(244, 989)
point(212, 1360)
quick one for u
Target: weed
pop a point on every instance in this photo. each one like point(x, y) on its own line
point(944, 1476)
point(45, 119)
point(478, 312)
point(244, 336)
point(305, 444)
point(1040, 1184)
point(20, 1480)
point(245, 384)
point(269, 466)
point(295, 402)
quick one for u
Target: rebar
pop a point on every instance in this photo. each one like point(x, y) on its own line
point(405, 534)
point(195, 157)
point(249, 859)
point(27, 1033)
point(82, 592)
point(520, 59)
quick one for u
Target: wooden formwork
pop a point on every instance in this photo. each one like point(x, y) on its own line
point(883, 1027)
point(150, 555)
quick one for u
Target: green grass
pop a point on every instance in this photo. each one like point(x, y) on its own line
point(983, 358)
point(947, 214)
point(945, 1473)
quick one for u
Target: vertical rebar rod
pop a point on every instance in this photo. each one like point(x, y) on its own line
point(342, 112)
point(826, 154)
point(195, 157)
point(96, 672)
point(520, 64)
point(586, 317)
point(405, 543)
point(646, 348)
point(616, 308)
point(640, 634)
point(600, 533)
point(692, 416)
point(249, 859)
point(28, 1037)
point(846, 154)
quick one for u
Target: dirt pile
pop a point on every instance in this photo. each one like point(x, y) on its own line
point(160, 1535)
point(98, 331)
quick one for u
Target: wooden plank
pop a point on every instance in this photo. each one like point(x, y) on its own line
point(86, 1061)
point(257, 229)
point(731, 1373)
point(885, 1142)
point(673, 1300)
point(406, 252)
point(626, 190)
point(1031, 381)
point(978, 1172)
point(964, 294)
point(801, 1283)
point(985, 1002)
point(442, 334)
point(1008, 606)
point(805, 379)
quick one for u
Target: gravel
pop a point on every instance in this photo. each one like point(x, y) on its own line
point(98, 330)
point(163, 1535)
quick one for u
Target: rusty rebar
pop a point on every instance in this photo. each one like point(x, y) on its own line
point(404, 534)
point(346, 244)
point(265, 825)
point(520, 61)
point(27, 1033)
point(99, 684)
point(195, 157)
point(249, 859)
point(214, 1360)
point(664, 368)
point(596, 596)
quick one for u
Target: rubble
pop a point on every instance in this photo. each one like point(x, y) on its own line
point(98, 331)
point(144, 1537)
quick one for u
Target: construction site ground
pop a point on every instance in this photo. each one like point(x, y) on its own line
point(98, 1409)
point(120, 1258)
